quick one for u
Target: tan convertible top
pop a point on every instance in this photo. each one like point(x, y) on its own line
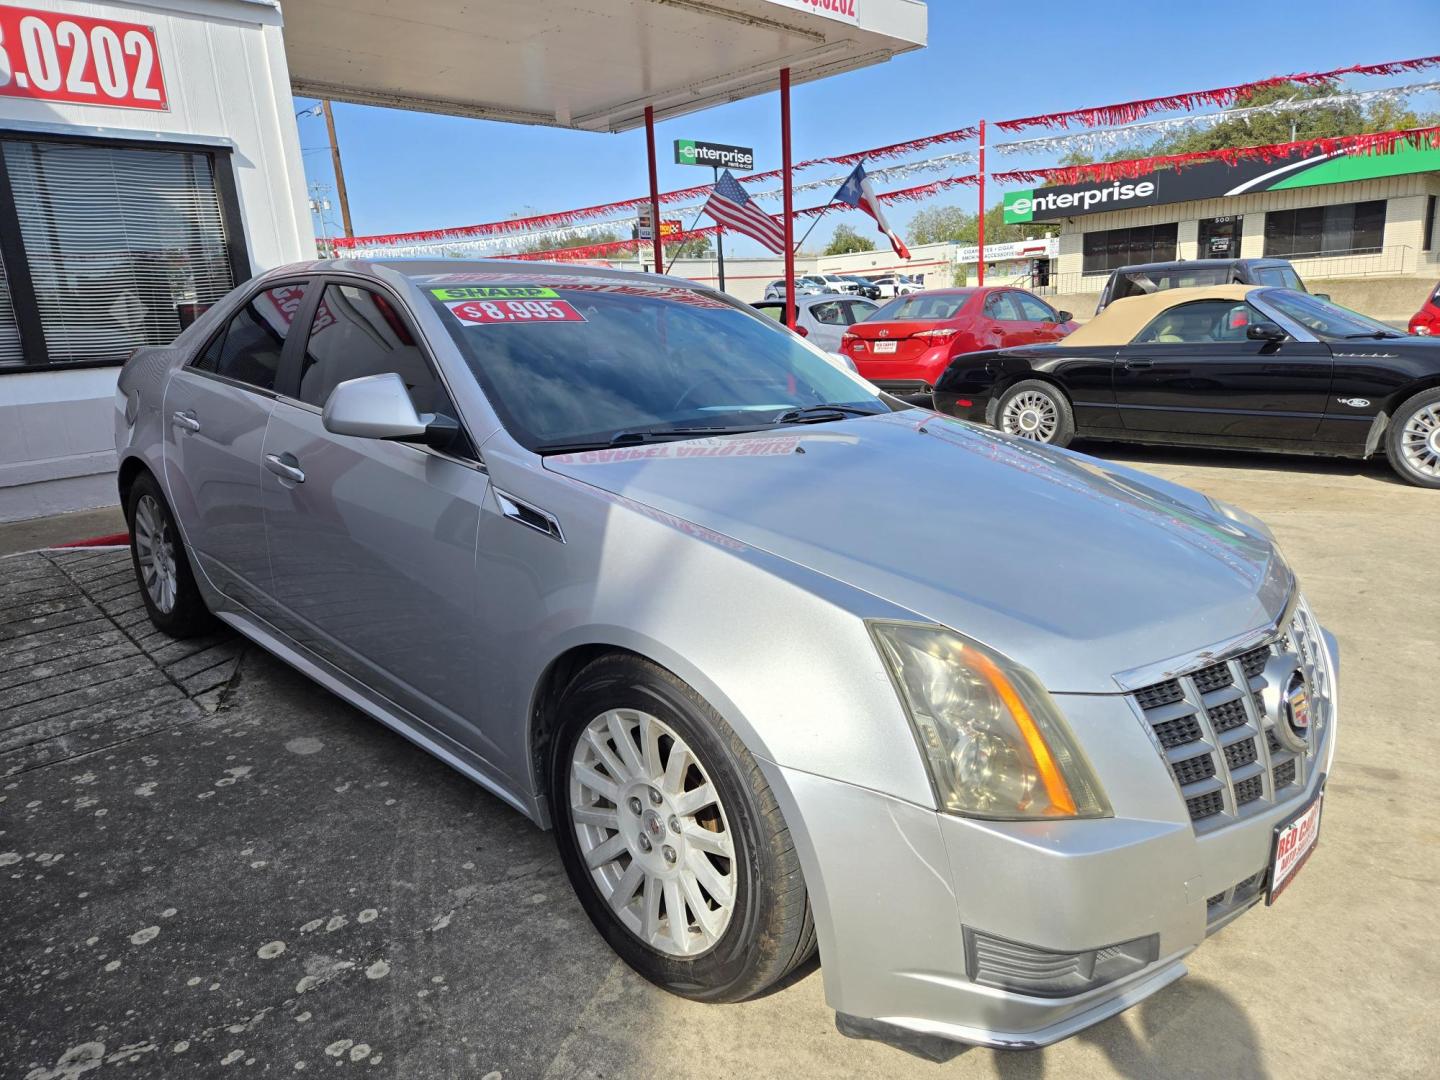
point(1122, 320)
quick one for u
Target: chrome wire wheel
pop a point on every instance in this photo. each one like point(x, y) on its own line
point(652, 832)
point(1030, 415)
point(155, 554)
point(1420, 441)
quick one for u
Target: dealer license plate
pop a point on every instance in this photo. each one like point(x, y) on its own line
point(1293, 844)
point(884, 346)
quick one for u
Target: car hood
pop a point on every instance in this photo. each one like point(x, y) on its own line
point(1074, 567)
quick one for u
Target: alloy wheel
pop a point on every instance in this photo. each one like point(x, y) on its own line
point(1420, 441)
point(1030, 415)
point(155, 552)
point(653, 832)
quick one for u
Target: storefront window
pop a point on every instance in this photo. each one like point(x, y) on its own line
point(1109, 249)
point(12, 353)
point(116, 239)
point(1342, 229)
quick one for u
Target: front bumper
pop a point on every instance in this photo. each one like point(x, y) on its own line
point(894, 886)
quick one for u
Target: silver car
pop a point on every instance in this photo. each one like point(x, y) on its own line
point(822, 320)
point(1004, 731)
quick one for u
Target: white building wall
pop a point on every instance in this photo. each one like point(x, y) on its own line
point(226, 78)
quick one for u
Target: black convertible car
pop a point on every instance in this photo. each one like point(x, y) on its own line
point(1240, 366)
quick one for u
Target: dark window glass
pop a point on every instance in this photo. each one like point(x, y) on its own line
point(249, 348)
point(922, 307)
point(1341, 229)
point(831, 313)
point(1200, 323)
point(1325, 320)
point(1110, 249)
point(357, 333)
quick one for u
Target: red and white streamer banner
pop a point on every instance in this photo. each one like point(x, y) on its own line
point(1127, 112)
point(618, 247)
point(1380, 142)
point(562, 218)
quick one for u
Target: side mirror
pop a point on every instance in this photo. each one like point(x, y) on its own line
point(1064, 316)
point(379, 407)
point(1265, 331)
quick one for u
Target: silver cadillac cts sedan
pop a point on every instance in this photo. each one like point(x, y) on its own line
point(1004, 731)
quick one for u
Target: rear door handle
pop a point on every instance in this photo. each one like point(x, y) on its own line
point(285, 466)
point(186, 420)
point(1138, 365)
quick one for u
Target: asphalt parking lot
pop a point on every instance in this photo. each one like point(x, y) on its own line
point(211, 867)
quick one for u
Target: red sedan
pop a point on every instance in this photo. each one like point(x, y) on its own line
point(1426, 321)
point(907, 345)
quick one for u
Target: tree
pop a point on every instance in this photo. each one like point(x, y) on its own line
point(567, 239)
point(1344, 118)
point(846, 241)
point(697, 247)
point(950, 224)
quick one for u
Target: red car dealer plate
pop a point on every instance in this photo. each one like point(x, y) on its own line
point(1293, 844)
point(489, 312)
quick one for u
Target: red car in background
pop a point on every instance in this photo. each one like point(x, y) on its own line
point(906, 346)
point(1425, 322)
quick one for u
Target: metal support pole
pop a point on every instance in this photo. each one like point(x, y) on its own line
point(654, 190)
point(720, 236)
point(789, 200)
point(339, 170)
point(980, 261)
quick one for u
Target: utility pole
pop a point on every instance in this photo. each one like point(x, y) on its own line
point(339, 170)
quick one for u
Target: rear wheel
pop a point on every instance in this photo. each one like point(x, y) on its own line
point(162, 567)
point(1412, 441)
point(671, 836)
point(1037, 411)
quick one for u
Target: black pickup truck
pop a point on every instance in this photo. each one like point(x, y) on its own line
point(1193, 273)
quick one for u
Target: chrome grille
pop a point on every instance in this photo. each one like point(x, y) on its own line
point(1210, 727)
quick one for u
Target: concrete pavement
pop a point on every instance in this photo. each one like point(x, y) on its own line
point(211, 867)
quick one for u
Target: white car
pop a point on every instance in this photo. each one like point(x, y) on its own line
point(822, 319)
point(804, 286)
point(893, 285)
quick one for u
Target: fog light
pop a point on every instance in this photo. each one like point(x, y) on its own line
point(1027, 969)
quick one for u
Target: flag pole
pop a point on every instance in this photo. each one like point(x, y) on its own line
point(811, 229)
point(698, 215)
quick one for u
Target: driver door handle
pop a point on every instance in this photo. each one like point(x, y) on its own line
point(1138, 365)
point(285, 466)
point(186, 420)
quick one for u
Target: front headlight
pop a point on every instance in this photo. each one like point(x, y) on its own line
point(1243, 518)
point(993, 738)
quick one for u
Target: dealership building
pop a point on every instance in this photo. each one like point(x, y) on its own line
point(1363, 224)
point(150, 157)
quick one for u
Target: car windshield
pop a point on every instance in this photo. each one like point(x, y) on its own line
point(1327, 321)
point(590, 361)
point(921, 307)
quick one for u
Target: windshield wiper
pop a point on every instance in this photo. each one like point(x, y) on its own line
point(818, 414)
point(640, 436)
point(1374, 334)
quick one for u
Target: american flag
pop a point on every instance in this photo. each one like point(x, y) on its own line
point(733, 209)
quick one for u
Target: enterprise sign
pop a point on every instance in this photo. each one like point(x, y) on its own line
point(718, 155)
point(1214, 180)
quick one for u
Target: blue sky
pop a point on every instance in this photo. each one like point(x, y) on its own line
point(417, 171)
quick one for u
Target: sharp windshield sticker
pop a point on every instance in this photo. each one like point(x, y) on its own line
point(492, 312)
point(495, 292)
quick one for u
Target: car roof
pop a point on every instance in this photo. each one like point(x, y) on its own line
point(422, 269)
point(1123, 319)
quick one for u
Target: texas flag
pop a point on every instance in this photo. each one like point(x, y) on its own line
point(857, 192)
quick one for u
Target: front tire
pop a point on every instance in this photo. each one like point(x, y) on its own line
point(1412, 441)
point(671, 837)
point(1036, 410)
point(162, 565)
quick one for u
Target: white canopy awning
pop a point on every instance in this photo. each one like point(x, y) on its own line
point(588, 64)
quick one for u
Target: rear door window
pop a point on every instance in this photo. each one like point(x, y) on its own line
point(831, 313)
point(248, 349)
point(858, 311)
point(773, 311)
